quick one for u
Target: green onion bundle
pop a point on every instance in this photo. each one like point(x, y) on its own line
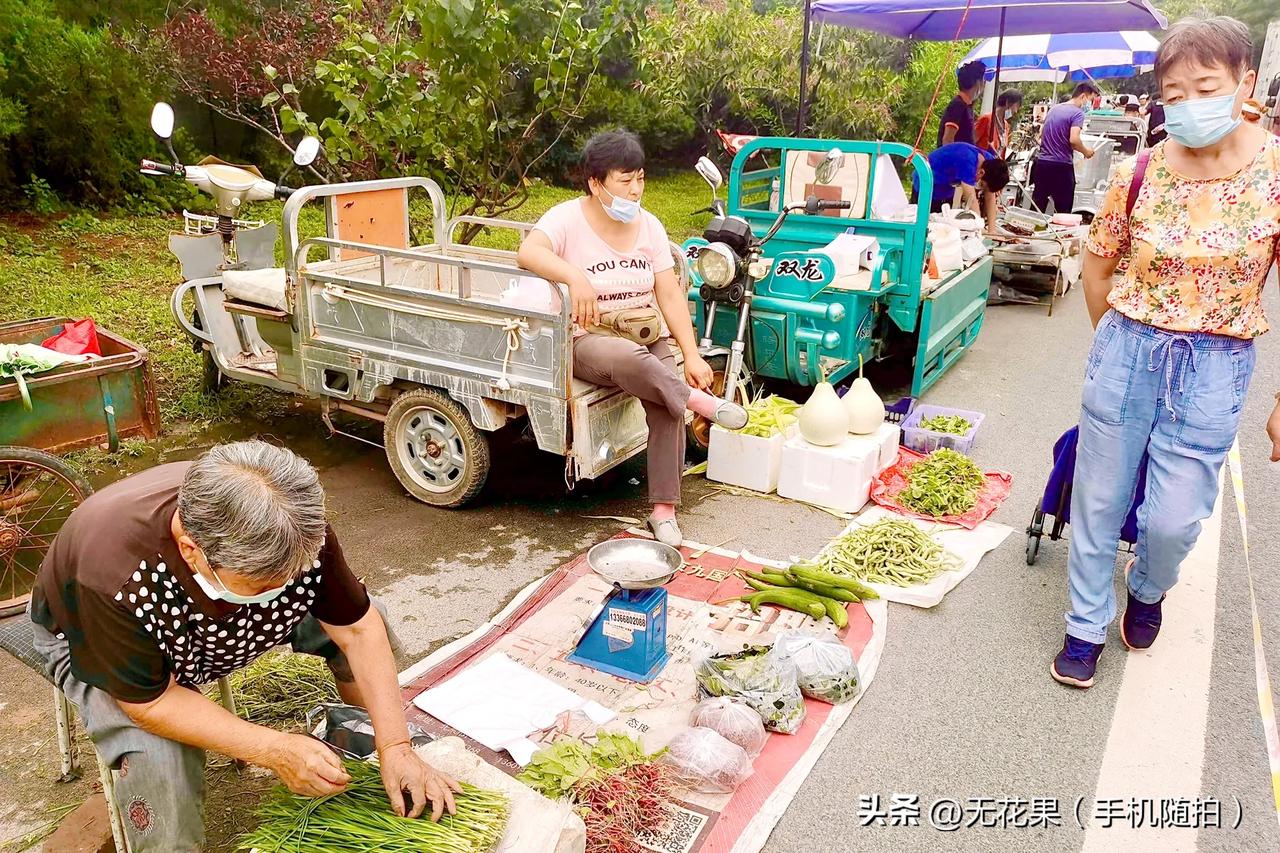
point(949, 424)
point(943, 483)
point(360, 820)
point(890, 551)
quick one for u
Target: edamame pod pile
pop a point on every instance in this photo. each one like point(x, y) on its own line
point(890, 551)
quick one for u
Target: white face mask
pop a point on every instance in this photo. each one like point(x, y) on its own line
point(230, 597)
point(620, 209)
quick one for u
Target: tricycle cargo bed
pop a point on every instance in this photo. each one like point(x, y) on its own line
point(79, 405)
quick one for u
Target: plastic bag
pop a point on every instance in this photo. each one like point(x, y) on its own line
point(825, 667)
point(757, 678)
point(733, 720)
point(701, 759)
point(76, 338)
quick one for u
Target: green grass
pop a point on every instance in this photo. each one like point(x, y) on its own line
point(118, 270)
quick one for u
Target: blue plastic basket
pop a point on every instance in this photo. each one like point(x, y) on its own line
point(926, 441)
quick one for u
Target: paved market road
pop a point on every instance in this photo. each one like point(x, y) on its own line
point(962, 706)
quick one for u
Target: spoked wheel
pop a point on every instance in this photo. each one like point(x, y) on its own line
point(37, 494)
point(1035, 531)
point(698, 436)
point(435, 451)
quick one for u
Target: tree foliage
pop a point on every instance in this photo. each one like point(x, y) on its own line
point(475, 92)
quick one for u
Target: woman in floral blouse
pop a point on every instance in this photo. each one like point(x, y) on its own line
point(1199, 218)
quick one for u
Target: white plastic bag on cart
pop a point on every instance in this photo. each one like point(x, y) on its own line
point(733, 720)
point(825, 666)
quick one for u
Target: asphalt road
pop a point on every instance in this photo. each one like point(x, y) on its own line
point(962, 708)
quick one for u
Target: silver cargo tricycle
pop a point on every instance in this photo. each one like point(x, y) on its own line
point(417, 337)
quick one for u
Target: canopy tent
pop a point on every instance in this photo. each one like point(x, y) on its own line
point(947, 20)
point(1046, 74)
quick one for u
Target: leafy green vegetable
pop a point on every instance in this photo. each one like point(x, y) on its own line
point(943, 483)
point(950, 424)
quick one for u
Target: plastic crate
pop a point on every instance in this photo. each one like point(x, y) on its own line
point(900, 411)
point(927, 441)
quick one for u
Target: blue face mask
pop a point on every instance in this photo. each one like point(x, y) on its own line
point(230, 597)
point(1203, 121)
point(620, 209)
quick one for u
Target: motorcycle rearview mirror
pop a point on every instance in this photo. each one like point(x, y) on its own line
point(832, 163)
point(709, 173)
point(307, 151)
point(162, 120)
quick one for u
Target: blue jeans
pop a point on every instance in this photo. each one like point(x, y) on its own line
point(1177, 397)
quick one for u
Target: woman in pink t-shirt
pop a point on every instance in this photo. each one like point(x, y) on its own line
point(614, 256)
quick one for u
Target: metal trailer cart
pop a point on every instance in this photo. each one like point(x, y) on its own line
point(1123, 137)
point(810, 318)
point(417, 338)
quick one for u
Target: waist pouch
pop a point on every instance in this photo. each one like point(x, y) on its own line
point(640, 325)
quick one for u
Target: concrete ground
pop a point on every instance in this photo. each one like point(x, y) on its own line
point(962, 709)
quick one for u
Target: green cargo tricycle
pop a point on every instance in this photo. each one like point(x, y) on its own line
point(803, 274)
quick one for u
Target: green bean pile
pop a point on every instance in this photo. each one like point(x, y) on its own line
point(889, 551)
point(949, 424)
point(360, 820)
point(943, 483)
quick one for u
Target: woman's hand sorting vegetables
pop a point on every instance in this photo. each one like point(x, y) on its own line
point(404, 774)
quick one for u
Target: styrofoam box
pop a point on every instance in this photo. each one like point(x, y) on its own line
point(745, 460)
point(838, 477)
point(885, 439)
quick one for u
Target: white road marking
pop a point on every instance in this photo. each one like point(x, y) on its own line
point(1155, 750)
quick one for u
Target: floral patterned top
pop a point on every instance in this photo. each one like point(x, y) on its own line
point(1199, 250)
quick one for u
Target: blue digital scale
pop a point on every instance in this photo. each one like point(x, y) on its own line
point(628, 635)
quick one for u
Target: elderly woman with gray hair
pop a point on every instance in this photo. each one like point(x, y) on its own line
point(177, 576)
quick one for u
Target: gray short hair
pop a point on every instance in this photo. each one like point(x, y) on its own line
point(254, 509)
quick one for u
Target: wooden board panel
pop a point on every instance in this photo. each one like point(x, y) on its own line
point(377, 217)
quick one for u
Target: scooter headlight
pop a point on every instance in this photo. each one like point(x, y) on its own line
point(717, 265)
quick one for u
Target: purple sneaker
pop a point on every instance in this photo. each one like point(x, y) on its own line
point(1077, 662)
point(1141, 623)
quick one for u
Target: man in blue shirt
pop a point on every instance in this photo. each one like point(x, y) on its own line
point(960, 172)
point(1054, 171)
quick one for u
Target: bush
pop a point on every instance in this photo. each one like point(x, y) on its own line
point(73, 111)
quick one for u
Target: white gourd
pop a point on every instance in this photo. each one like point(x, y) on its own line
point(823, 420)
point(864, 407)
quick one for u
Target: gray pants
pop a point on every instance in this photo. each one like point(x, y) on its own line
point(647, 373)
point(160, 790)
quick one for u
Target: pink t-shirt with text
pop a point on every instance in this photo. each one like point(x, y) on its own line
point(622, 280)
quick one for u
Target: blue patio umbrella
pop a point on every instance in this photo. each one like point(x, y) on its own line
point(1070, 55)
point(947, 20)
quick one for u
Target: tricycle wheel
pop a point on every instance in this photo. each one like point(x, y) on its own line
point(435, 451)
point(37, 493)
point(698, 434)
point(212, 379)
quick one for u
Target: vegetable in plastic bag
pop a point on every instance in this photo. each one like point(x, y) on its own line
point(733, 720)
point(701, 759)
point(825, 667)
point(759, 679)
